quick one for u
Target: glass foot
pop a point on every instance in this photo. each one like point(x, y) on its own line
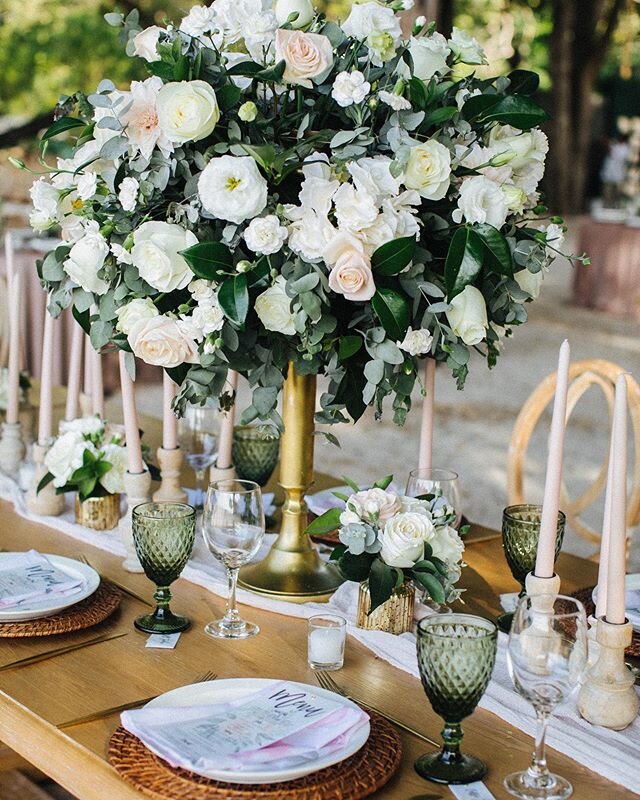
point(465, 769)
point(504, 622)
point(221, 629)
point(521, 784)
point(167, 622)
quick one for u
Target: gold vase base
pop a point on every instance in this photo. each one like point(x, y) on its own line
point(294, 577)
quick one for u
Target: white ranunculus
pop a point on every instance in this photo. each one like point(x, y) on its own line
point(466, 48)
point(308, 57)
point(202, 291)
point(468, 315)
point(113, 480)
point(554, 235)
point(187, 111)
point(530, 282)
point(429, 54)
point(349, 88)
point(374, 505)
point(87, 185)
point(199, 20)
point(232, 188)
point(85, 258)
point(265, 235)
point(44, 198)
point(404, 537)
point(273, 308)
point(395, 101)
point(481, 200)
point(376, 24)
point(156, 254)
point(447, 545)
point(128, 193)
point(65, 455)
point(208, 318)
point(85, 426)
point(303, 8)
point(133, 312)
point(416, 343)
point(355, 208)
point(163, 342)
point(428, 170)
point(145, 43)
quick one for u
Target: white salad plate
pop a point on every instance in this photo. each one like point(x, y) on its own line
point(223, 691)
point(51, 604)
point(631, 599)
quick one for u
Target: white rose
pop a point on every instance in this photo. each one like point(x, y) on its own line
point(468, 315)
point(163, 342)
point(355, 208)
point(481, 200)
point(187, 111)
point(349, 88)
point(265, 235)
point(378, 26)
point(85, 426)
point(44, 197)
point(133, 312)
point(530, 282)
point(202, 291)
point(273, 308)
point(416, 343)
point(87, 185)
point(231, 188)
point(113, 480)
point(303, 8)
point(156, 254)
point(85, 258)
point(145, 43)
point(428, 170)
point(374, 505)
point(65, 456)
point(447, 545)
point(208, 318)
point(128, 193)
point(466, 48)
point(308, 57)
point(404, 537)
point(429, 54)
point(522, 147)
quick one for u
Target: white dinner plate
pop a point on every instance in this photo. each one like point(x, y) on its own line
point(45, 607)
point(223, 691)
point(631, 599)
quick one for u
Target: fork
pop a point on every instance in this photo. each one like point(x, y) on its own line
point(327, 682)
point(120, 586)
point(107, 712)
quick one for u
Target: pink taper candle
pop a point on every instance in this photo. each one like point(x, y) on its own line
point(169, 421)
point(226, 427)
point(75, 371)
point(131, 430)
point(45, 424)
point(545, 556)
point(86, 387)
point(14, 286)
point(618, 530)
point(603, 567)
point(97, 388)
point(425, 457)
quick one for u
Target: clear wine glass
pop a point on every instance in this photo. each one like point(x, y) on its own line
point(199, 440)
point(547, 656)
point(233, 530)
point(440, 482)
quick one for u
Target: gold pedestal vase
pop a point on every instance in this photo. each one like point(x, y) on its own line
point(393, 616)
point(99, 513)
point(293, 570)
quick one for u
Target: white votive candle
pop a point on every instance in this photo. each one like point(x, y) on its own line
point(326, 640)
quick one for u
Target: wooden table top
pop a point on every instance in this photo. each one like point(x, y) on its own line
point(34, 699)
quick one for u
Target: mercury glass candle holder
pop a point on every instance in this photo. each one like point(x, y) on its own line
point(255, 452)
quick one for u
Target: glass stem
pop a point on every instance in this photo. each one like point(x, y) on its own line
point(162, 596)
point(452, 736)
point(538, 774)
point(200, 476)
point(232, 617)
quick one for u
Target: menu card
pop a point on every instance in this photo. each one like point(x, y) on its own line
point(31, 576)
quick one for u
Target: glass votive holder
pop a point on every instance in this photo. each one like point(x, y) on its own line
point(326, 637)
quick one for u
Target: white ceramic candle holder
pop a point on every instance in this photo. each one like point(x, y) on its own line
point(170, 490)
point(138, 489)
point(12, 449)
point(593, 648)
point(608, 696)
point(46, 502)
point(222, 474)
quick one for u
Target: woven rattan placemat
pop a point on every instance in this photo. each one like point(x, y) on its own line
point(357, 776)
point(585, 597)
point(88, 612)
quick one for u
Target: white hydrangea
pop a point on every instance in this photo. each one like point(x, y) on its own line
point(554, 235)
point(44, 198)
point(349, 88)
point(113, 480)
point(202, 291)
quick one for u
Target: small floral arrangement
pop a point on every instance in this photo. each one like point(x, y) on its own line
point(387, 538)
point(88, 458)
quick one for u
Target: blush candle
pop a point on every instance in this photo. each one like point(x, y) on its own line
point(45, 416)
point(169, 421)
point(426, 428)
point(131, 429)
point(75, 371)
point(14, 287)
point(615, 612)
point(97, 386)
point(226, 427)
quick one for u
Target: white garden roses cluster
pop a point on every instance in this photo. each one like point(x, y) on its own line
point(286, 189)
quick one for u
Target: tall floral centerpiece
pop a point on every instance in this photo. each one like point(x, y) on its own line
point(286, 195)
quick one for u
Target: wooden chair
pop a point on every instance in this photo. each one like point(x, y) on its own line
point(582, 375)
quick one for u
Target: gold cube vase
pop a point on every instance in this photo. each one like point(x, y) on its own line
point(293, 570)
point(99, 513)
point(393, 616)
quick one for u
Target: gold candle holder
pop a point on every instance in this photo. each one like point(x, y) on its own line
point(393, 616)
point(99, 513)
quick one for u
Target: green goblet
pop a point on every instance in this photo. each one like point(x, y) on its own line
point(255, 452)
point(520, 534)
point(163, 535)
point(456, 654)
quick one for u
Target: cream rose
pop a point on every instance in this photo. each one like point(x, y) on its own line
point(133, 312)
point(65, 456)
point(308, 56)
point(352, 276)
point(163, 342)
point(145, 43)
point(404, 537)
point(85, 258)
point(447, 545)
point(429, 55)
point(530, 282)
point(468, 315)
point(428, 170)
point(156, 254)
point(374, 505)
point(273, 308)
point(232, 188)
point(187, 111)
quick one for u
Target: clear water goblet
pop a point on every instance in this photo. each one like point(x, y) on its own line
point(197, 431)
point(439, 482)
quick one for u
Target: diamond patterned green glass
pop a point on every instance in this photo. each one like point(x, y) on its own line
point(163, 535)
point(520, 534)
point(255, 452)
point(456, 654)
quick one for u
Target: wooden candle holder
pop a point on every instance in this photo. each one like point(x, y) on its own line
point(12, 449)
point(222, 474)
point(170, 490)
point(46, 502)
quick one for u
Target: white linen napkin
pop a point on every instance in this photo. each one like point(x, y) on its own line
point(31, 576)
point(278, 727)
